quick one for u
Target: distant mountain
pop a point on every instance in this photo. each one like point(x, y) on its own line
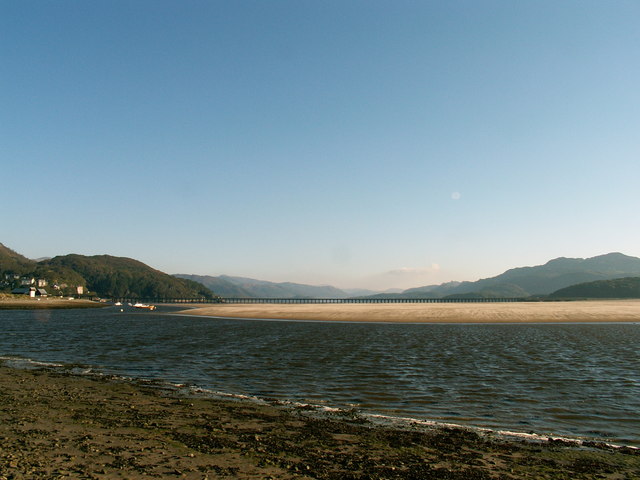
point(563, 272)
point(242, 287)
point(503, 290)
point(519, 282)
point(265, 289)
point(433, 291)
point(124, 277)
point(363, 292)
point(219, 285)
point(538, 280)
point(628, 287)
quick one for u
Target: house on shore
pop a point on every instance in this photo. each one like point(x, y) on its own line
point(31, 291)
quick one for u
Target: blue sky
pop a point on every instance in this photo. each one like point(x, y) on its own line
point(354, 143)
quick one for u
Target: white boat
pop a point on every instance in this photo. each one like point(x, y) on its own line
point(118, 304)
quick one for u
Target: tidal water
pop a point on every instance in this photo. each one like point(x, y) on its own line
point(574, 380)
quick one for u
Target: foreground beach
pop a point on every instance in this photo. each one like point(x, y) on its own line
point(54, 425)
point(516, 312)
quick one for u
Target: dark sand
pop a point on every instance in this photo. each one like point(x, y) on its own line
point(54, 426)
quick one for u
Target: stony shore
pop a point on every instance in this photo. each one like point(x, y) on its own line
point(54, 426)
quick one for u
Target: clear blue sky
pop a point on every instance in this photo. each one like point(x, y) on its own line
point(355, 143)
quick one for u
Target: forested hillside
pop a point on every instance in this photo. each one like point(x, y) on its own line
point(101, 275)
point(13, 262)
point(125, 277)
point(618, 288)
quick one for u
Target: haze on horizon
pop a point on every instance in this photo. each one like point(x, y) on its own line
point(358, 144)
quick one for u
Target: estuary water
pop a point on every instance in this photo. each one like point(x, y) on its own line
point(573, 380)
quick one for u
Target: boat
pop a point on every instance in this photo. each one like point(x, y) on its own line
point(144, 306)
point(118, 304)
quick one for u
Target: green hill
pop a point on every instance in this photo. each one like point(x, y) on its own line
point(102, 275)
point(13, 262)
point(628, 287)
point(60, 275)
point(15, 267)
point(109, 276)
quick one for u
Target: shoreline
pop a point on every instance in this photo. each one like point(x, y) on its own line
point(579, 311)
point(53, 424)
point(47, 303)
point(590, 311)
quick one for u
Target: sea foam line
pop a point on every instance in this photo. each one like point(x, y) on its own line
point(21, 362)
point(531, 436)
point(353, 412)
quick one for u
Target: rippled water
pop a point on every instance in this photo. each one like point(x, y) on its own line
point(579, 380)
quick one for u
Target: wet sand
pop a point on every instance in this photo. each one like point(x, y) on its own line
point(54, 426)
point(517, 312)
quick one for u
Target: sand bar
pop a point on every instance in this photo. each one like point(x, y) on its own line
point(58, 426)
point(516, 312)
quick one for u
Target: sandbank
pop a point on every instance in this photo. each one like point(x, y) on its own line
point(511, 312)
point(56, 425)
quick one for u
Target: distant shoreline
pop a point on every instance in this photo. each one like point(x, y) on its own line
point(582, 311)
point(517, 312)
point(46, 303)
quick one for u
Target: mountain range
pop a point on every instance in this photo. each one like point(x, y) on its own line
point(109, 276)
point(539, 280)
point(241, 287)
point(522, 282)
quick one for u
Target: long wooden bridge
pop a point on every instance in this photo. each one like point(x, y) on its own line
point(317, 300)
